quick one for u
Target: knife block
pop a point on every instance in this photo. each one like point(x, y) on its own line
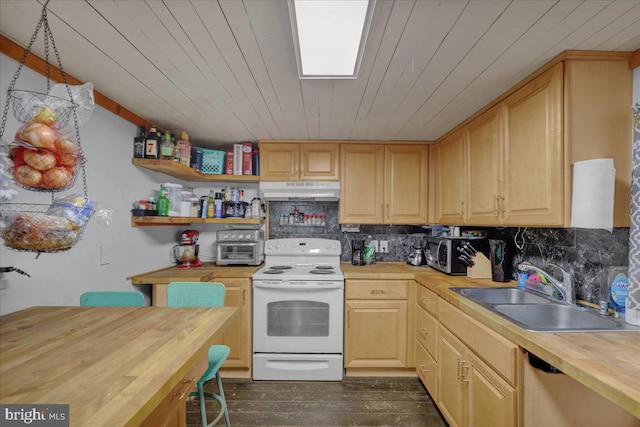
point(481, 268)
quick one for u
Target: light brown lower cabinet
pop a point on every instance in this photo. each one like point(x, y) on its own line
point(470, 371)
point(376, 324)
point(238, 336)
point(470, 393)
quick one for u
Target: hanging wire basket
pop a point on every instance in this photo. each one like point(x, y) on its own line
point(43, 169)
point(45, 228)
point(29, 106)
point(47, 156)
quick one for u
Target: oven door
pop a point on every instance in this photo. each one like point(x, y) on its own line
point(298, 317)
point(230, 253)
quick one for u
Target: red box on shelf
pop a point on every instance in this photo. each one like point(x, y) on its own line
point(247, 161)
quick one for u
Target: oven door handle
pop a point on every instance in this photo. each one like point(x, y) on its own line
point(225, 243)
point(298, 287)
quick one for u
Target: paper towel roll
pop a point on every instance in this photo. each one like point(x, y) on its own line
point(593, 190)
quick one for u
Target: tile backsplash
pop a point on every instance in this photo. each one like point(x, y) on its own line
point(588, 254)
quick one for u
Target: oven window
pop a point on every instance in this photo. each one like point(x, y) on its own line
point(229, 252)
point(297, 319)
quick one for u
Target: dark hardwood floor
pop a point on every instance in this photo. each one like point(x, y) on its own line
point(355, 401)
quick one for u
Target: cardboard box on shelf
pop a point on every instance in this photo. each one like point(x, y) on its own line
point(228, 167)
point(237, 159)
point(247, 161)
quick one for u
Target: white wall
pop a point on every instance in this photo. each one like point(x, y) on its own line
point(60, 278)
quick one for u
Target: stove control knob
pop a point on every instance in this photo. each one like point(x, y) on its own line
point(277, 245)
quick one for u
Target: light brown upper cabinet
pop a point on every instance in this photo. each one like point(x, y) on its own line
point(295, 161)
point(384, 183)
point(484, 145)
point(448, 173)
point(518, 153)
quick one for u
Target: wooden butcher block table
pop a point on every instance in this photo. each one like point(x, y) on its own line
point(114, 366)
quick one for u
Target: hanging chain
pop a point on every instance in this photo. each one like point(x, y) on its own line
point(75, 106)
point(22, 62)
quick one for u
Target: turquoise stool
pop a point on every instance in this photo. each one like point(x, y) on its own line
point(112, 299)
point(204, 294)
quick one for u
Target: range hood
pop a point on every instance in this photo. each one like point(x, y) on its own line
point(321, 191)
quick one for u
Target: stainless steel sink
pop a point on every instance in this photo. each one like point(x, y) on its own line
point(502, 296)
point(556, 317)
point(536, 312)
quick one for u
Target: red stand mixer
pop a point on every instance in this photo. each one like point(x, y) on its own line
point(186, 253)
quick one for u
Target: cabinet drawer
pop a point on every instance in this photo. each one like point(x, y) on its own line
point(377, 289)
point(427, 370)
point(493, 349)
point(170, 407)
point(428, 300)
point(427, 331)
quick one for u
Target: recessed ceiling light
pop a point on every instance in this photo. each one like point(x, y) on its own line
point(329, 36)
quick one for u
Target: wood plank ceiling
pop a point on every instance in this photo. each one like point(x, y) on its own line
point(225, 70)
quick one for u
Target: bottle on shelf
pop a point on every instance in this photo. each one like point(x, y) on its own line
point(166, 147)
point(218, 206)
point(183, 150)
point(151, 144)
point(138, 143)
point(163, 202)
point(211, 205)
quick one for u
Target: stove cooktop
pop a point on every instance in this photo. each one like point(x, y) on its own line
point(300, 272)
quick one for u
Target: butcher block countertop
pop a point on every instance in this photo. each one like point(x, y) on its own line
point(112, 365)
point(207, 272)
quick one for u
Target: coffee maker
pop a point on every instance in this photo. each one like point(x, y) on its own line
point(186, 253)
point(418, 255)
point(357, 252)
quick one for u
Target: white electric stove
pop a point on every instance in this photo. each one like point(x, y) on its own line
point(298, 311)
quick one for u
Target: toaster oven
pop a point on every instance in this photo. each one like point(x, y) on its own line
point(239, 247)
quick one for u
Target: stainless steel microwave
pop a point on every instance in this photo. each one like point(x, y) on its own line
point(442, 254)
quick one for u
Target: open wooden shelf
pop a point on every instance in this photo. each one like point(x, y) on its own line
point(139, 221)
point(169, 167)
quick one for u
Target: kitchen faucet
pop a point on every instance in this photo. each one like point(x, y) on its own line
point(565, 288)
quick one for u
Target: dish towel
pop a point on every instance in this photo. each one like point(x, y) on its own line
point(632, 311)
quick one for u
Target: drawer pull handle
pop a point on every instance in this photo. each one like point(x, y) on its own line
point(186, 389)
point(459, 373)
point(424, 369)
point(424, 331)
point(378, 291)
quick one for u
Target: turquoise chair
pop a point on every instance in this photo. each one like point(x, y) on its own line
point(204, 294)
point(112, 299)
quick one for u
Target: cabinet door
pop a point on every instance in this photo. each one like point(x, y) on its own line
point(279, 161)
point(491, 400)
point(449, 176)
point(407, 184)
point(361, 184)
point(534, 160)
point(375, 334)
point(320, 162)
point(451, 396)
point(483, 168)
point(238, 335)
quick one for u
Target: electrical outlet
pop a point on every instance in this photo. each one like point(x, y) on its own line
point(376, 246)
point(105, 254)
point(384, 246)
